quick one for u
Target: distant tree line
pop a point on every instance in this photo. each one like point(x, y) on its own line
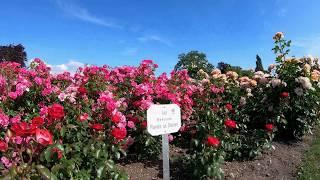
point(193, 61)
point(15, 53)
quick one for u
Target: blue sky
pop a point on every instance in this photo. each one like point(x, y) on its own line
point(66, 33)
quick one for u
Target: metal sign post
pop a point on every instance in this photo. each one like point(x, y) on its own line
point(162, 120)
point(165, 157)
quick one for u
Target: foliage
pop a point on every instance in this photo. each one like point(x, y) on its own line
point(193, 61)
point(63, 126)
point(225, 67)
point(14, 53)
point(259, 66)
point(311, 164)
point(301, 77)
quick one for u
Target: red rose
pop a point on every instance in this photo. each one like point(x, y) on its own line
point(229, 106)
point(82, 90)
point(269, 127)
point(23, 129)
point(37, 122)
point(230, 124)
point(284, 94)
point(97, 127)
point(56, 111)
point(119, 133)
point(44, 137)
point(116, 118)
point(213, 141)
point(144, 124)
point(133, 119)
point(3, 146)
point(215, 108)
point(58, 151)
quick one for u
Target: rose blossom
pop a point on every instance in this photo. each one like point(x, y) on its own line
point(97, 127)
point(3, 146)
point(305, 82)
point(229, 106)
point(23, 129)
point(131, 124)
point(15, 119)
point(56, 111)
point(37, 122)
point(278, 36)
point(284, 94)
point(116, 118)
point(269, 127)
point(58, 152)
point(13, 95)
point(298, 91)
point(170, 137)
point(230, 124)
point(144, 124)
point(84, 117)
point(44, 137)
point(62, 96)
point(82, 90)
point(119, 133)
point(6, 162)
point(213, 141)
point(4, 119)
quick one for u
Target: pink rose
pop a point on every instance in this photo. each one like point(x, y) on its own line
point(44, 137)
point(131, 124)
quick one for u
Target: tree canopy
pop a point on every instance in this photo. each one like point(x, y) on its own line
point(259, 66)
point(15, 53)
point(193, 61)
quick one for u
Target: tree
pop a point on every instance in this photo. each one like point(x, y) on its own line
point(15, 53)
point(193, 61)
point(259, 66)
point(224, 67)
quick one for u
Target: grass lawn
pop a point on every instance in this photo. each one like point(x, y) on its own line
point(311, 165)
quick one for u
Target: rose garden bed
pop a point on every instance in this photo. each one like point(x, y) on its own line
point(283, 162)
point(92, 125)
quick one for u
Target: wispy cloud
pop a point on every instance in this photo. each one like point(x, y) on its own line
point(308, 46)
point(84, 15)
point(130, 51)
point(155, 38)
point(282, 12)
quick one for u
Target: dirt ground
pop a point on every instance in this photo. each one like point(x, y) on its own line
point(281, 163)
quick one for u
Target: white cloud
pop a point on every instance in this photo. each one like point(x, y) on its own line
point(70, 66)
point(84, 15)
point(308, 46)
point(156, 38)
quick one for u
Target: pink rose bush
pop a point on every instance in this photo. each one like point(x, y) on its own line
point(63, 126)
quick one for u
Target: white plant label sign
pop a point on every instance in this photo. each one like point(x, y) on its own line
point(163, 119)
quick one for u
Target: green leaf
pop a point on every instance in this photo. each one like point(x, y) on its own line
point(47, 153)
point(56, 168)
point(100, 171)
point(63, 131)
point(117, 154)
point(110, 164)
point(97, 154)
point(148, 142)
point(45, 173)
